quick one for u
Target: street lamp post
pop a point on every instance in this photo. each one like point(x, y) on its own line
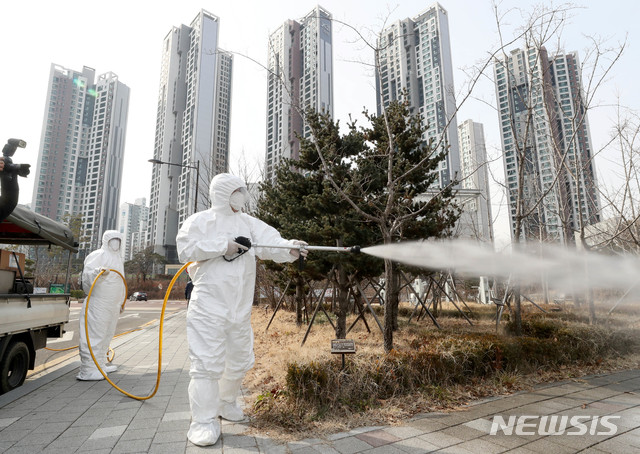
point(197, 167)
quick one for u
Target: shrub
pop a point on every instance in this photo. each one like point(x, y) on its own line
point(79, 294)
point(437, 360)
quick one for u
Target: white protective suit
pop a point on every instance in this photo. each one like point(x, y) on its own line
point(219, 315)
point(104, 307)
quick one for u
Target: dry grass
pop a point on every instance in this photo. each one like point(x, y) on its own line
point(281, 345)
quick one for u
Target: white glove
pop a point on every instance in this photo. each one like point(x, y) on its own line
point(234, 248)
point(302, 251)
point(106, 270)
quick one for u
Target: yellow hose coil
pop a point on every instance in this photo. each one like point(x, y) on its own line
point(164, 305)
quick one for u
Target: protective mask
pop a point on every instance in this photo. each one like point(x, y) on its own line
point(236, 200)
point(114, 244)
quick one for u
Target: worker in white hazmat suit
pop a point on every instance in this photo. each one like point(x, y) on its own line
point(219, 315)
point(105, 305)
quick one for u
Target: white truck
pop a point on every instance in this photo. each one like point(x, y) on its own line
point(27, 319)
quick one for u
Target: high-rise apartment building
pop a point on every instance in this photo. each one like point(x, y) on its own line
point(474, 175)
point(300, 75)
point(415, 55)
point(132, 224)
point(545, 133)
point(192, 128)
point(79, 168)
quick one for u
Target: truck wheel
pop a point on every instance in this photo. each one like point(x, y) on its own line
point(14, 366)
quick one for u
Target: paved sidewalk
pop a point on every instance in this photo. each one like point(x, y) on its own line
point(55, 413)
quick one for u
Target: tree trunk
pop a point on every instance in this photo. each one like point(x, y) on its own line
point(517, 309)
point(592, 307)
point(343, 303)
point(389, 310)
point(395, 296)
point(588, 293)
point(436, 298)
point(545, 288)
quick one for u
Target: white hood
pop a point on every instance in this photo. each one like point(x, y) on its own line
point(109, 235)
point(222, 185)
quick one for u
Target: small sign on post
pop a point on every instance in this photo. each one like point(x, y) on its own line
point(343, 347)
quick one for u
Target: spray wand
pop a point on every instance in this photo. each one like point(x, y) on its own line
point(247, 243)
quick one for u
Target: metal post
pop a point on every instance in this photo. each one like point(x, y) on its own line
point(195, 205)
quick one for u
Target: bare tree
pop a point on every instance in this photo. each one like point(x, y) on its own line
point(621, 232)
point(543, 102)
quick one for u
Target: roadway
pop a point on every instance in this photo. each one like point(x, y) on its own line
point(135, 315)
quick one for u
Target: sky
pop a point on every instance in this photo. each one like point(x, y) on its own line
point(125, 37)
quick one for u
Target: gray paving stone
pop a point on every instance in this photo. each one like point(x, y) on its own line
point(29, 449)
point(141, 422)
point(237, 441)
point(14, 434)
point(580, 441)
point(94, 421)
point(68, 443)
point(386, 449)
point(37, 438)
point(176, 416)
point(170, 437)
point(441, 439)
point(427, 425)
point(231, 428)
point(130, 446)
point(304, 443)
point(299, 450)
point(481, 424)
point(174, 426)
point(632, 439)
point(361, 430)
point(337, 436)
point(56, 427)
point(403, 432)
point(267, 444)
point(108, 432)
point(39, 415)
point(192, 449)
point(172, 448)
point(138, 434)
point(416, 445)
point(455, 450)
point(508, 441)
point(483, 446)
point(324, 449)
point(547, 445)
point(85, 432)
point(278, 449)
point(350, 445)
point(99, 444)
point(462, 432)
point(248, 450)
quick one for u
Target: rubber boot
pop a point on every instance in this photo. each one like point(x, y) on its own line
point(204, 399)
point(229, 390)
point(89, 373)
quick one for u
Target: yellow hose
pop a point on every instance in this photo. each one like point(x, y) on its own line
point(164, 305)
